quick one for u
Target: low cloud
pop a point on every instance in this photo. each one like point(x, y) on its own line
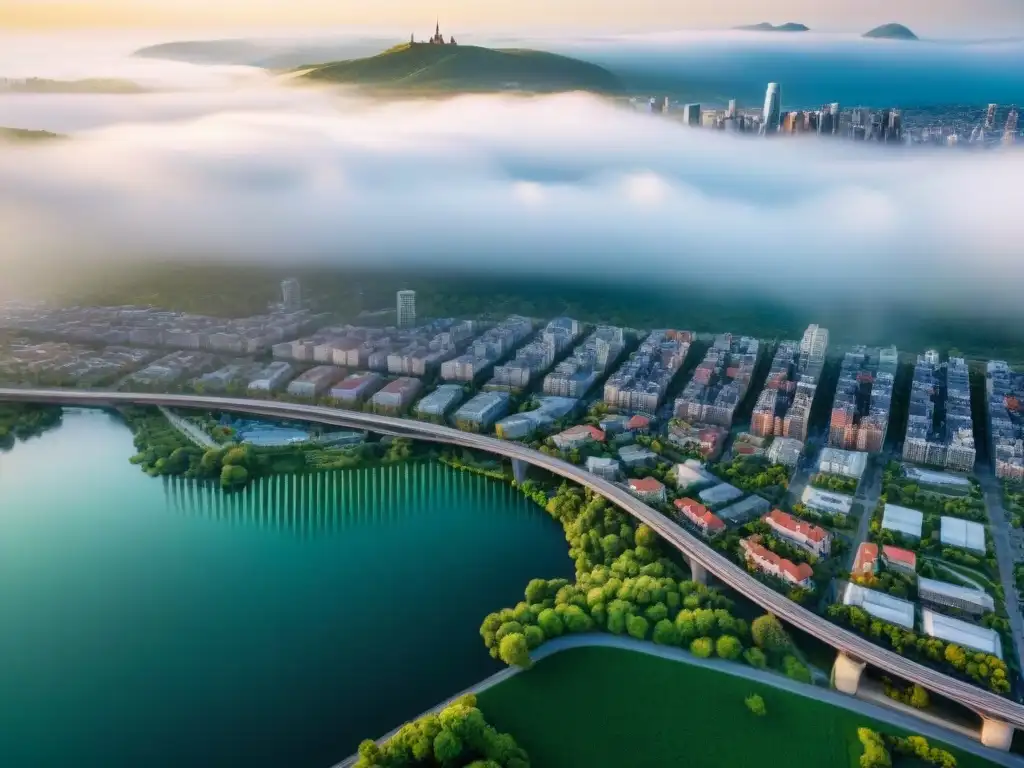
point(545, 186)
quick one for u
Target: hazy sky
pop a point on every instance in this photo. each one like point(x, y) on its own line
point(985, 17)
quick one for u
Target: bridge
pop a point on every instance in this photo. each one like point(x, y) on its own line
point(1000, 716)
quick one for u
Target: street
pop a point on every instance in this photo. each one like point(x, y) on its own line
point(1002, 537)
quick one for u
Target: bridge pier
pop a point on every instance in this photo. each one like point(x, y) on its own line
point(519, 470)
point(996, 734)
point(697, 571)
point(846, 674)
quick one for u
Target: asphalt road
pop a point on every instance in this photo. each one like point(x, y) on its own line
point(1004, 554)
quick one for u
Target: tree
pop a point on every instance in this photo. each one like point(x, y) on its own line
point(795, 670)
point(769, 635)
point(534, 636)
point(918, 697)
point(665, 633)
point(551, 623)
point(755, 657)
point(514, 650)
point(756, 705)
point(536, 591)
point(637, 627)
point(447, 747)
point(233, 476)
point(728, 647)
point(702, 647)
point(645, 537)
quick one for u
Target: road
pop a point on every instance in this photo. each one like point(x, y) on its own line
point(188, 429)
point(696, 551)
point(1004, 555)
point(868, 709)
point(866, 497)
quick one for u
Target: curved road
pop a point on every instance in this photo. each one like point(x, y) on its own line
point(980, 700)
point(909, 722)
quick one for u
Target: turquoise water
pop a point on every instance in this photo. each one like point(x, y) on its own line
point(156, 623)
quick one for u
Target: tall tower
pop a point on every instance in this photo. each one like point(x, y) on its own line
point(1010, 132)
point(771, 118)
point(291, 294)
point(406, 309)
point(990, 117)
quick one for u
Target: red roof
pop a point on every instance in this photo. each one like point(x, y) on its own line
point(593, 432)
point(799, 572)
point(744, 449)
point(795, 525)
point(638, 422)
point(898, 555)
point(645, 485)
point(700, 514)
point(867, 554)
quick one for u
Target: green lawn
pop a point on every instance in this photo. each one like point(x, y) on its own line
point(608, 707)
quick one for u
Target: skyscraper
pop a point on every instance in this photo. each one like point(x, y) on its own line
point(291, 294)
point(406, 309)
point(772, 115)
point(731, 112)
point(990, 117)
point(691, 114)
point(1010, 132)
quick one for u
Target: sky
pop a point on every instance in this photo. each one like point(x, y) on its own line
point(938, 17)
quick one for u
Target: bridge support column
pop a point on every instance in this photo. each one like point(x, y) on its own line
point(996, 734)
point(697, 571)
point(846, 674)
point(519, 470)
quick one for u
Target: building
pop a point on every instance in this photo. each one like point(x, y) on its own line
point(483, 410)
point(647, 489)
point(538, 355)
point(902, 520)
point(708, 440)
point(606, 468)
point(744, 510)
point(785, 451)
point(439, 402)
point(829, 502)
point(806, 535)
point(357, 387)
point(813, 347)
point(887, 608)
point(639, 385)
point(964, 534)
point(943, 482)
point(943, 387)
point(719, 382)
point(637, 456)
point(894, 558)
point(437, 39)
point(574, 376)
point(962, 633)
point(771, 116)
point(398, 394)
point(834, 461)
point(692, 474)
point(406, 305)
point(272, 378)
point(860, 411)
point(700, 516)
point(315, 382)
point(577, 437)
point(291, 294)
point(691, 115)
point(766, 561)
point(720, 494)
point(945, 595)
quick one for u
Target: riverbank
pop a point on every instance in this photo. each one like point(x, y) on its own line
point(21, 422)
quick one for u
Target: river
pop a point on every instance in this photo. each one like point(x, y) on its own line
point(151, 622)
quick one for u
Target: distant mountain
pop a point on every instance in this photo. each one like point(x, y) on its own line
point(268, 54)
point(764, 26)
point(20, 134)
point(422, 67)
point(91, 85)
point(891, 32)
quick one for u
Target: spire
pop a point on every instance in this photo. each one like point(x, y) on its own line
point(437, 27)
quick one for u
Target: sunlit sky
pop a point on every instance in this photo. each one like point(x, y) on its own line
point(965, 17)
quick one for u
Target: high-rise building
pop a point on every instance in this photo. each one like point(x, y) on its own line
point(406, 309)
point(772, 114)
point(664, 106)
point(990, 117)
point(691, 114)
point(291, 294)
point(731, 112)
point(812, 348)
point(1010, 132)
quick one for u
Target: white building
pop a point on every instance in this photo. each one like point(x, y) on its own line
point(272, 378)
point(956, 532)
point(834, 461)
point(813, 347)
point(316, 381)
point(357, 387)
point(720, 494)
point(603, 467)
point(483, 410)
point(829, 502)
point(406, 309)
point(291, 294)
point(943, 593)
point(902, 520)
point(962, 633)
point(691, 474)
point(785, 451)
point(441, 400)
point(880, 605)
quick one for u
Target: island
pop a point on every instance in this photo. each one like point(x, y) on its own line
point(21, 134)
point(765, 26)
point(445, 66)
point(94, 85)
point(890, 31)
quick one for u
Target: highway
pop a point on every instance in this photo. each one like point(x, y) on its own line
point(983, 702)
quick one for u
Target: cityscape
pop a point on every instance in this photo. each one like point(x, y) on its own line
point(978, 128)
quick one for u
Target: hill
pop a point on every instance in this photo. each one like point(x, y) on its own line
point(466, 68)
point(20, 134)
point(891, 32)
point(267, 54)
point(90, 85)
point(764, 26)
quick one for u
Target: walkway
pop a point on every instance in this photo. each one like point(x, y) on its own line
point(188, 429)
point(885, 714)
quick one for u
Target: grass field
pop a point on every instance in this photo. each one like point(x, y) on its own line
point(600, 707)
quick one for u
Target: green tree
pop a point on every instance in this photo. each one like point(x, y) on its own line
point(702, 647)
point(769, 635)
point(645, 537)
point(534, 636)
point(756, 705)
point(637, 626)
point(447, 747)
point(232, 476)
point(665, 633)
point(755, 657)
point(919, 697)
point(728, 647)
point(514, 650)
point(551, 623)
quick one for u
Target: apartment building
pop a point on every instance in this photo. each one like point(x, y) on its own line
point(766, 561)
point(808, 536)
point(719, 382)
point(863, 400)
point(639, 385)
point(589, 361)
